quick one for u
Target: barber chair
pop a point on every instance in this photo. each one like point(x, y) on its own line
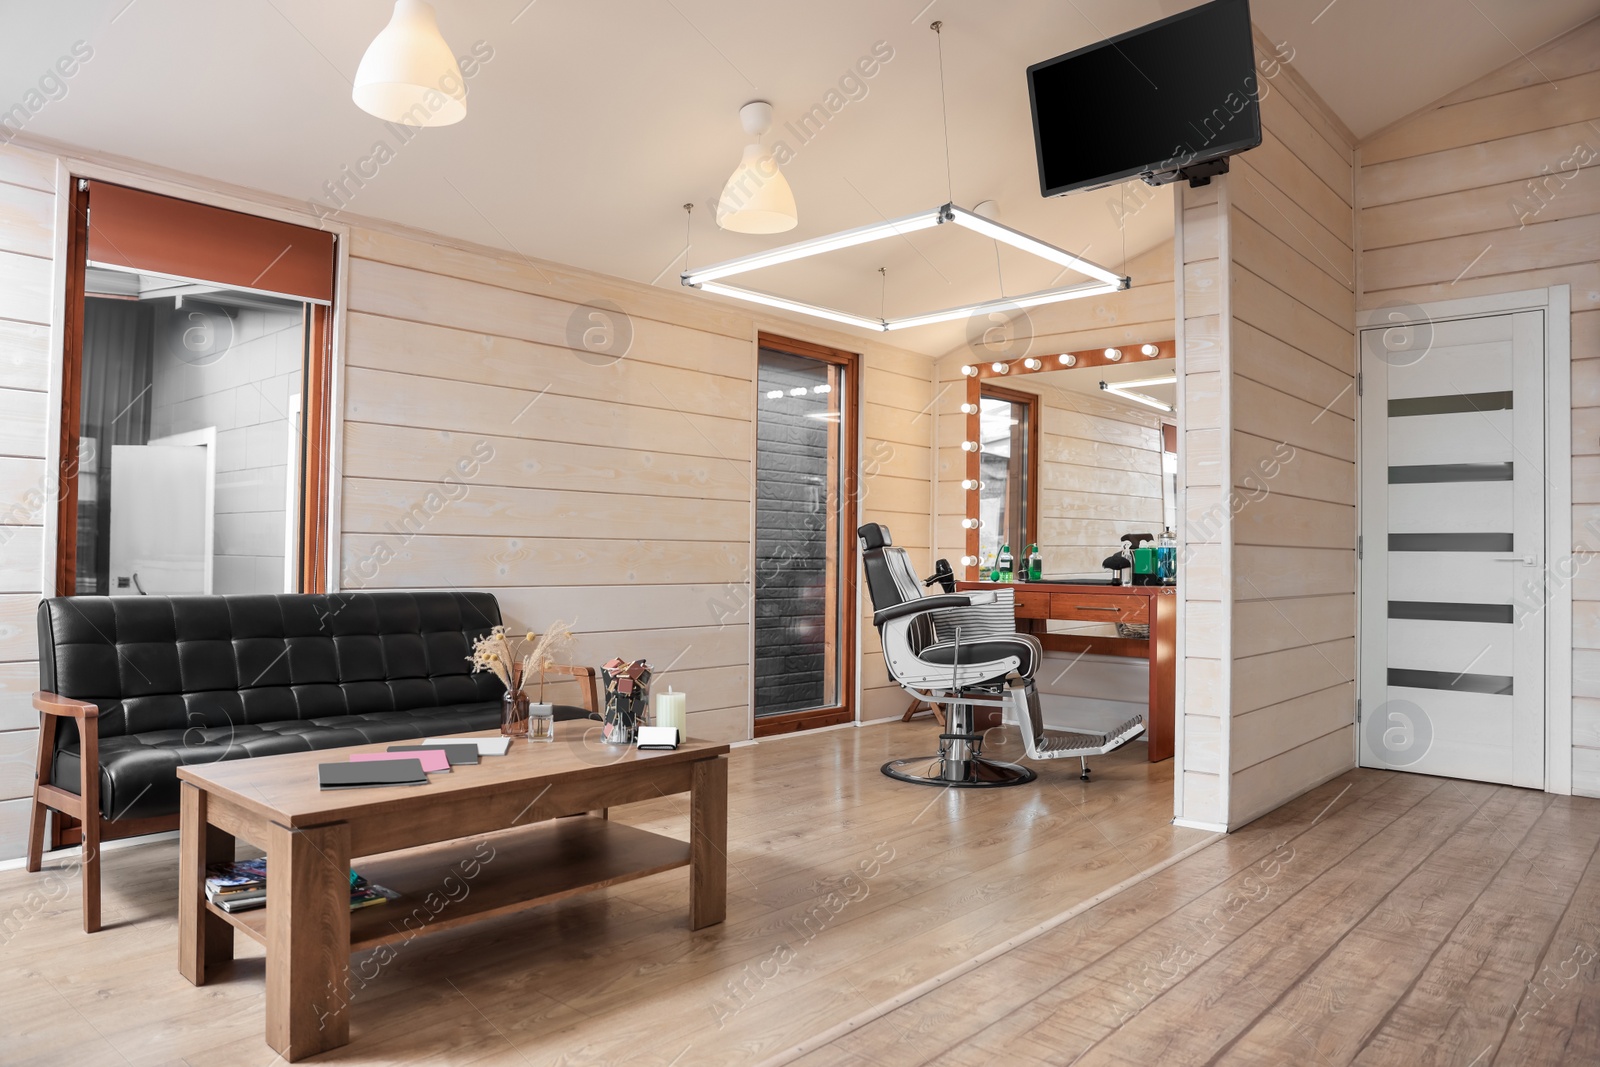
point(962, 650)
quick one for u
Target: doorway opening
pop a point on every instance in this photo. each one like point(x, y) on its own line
point(196, 338)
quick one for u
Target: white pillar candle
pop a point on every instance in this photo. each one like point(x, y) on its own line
point(672, 709)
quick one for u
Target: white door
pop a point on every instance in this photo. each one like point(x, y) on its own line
point(160, 520)
point(1453, 534)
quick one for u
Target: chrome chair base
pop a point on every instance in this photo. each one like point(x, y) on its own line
point(960, 762)
point(975, 772)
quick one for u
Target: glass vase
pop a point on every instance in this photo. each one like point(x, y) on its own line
point(514, 714)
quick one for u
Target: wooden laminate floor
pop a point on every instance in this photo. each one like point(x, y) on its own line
point(1381, 919)
point(844, 888)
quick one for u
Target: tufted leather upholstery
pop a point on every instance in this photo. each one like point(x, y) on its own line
point(193, 679)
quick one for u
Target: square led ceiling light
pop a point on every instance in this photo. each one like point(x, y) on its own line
point(709, 279)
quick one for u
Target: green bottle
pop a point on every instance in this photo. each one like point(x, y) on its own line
point(1035, 563)
point(1003, 564)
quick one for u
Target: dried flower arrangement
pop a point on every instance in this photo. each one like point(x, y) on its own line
point(515, 660)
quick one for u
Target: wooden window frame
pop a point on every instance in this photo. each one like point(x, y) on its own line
point(843, 520)
point(317, 415)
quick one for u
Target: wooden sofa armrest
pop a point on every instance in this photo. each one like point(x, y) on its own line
point(84, 806)
point(66, 707)
point(591, 698)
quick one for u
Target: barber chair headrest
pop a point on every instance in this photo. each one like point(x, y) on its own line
point(874, 535)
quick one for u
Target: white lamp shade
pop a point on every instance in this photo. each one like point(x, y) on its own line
point(409, 75)
point(757, 198)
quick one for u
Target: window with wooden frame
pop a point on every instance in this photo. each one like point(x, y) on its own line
point(1008, 497)
point(805, 541)
point(195, 423)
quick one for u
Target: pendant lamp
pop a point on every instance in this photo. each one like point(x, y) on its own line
point(409, 75)
point(757, 197)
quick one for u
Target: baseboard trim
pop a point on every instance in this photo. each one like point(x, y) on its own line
point(1196, 824)
point(878, 1011)
point(77, 850)
point(822, 730)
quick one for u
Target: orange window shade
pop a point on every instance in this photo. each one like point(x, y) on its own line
point(149, 232)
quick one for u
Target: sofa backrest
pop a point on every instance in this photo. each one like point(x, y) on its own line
point(165, 663)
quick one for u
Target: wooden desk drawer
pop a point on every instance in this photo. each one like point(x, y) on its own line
point(1032, 604)
point(1100, 607)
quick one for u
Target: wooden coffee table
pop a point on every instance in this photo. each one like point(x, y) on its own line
point(428, 842)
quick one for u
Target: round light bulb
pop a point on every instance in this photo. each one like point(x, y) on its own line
point(969, 446)
point(1032, 364)
point(969, 561)
point(971, 524)
point(969, 409)
point(970, 371)
point(999, 368)
point(1067, 359)
point(1113, 354)
point(1150, 350)
point(775, 394)
point(969, 484)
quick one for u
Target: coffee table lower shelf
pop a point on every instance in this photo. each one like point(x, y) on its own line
point(510, 870)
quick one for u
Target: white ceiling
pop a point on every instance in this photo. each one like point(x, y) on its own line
point(1376, 61)
point(594, 122)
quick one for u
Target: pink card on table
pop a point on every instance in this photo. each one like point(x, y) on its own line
point(433, 760)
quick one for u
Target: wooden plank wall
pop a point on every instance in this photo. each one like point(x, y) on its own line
point(1200, 254)
point(1292, 441)
point(483, 451)
point(616, 494)
point(1495, 189)
point(27, 229)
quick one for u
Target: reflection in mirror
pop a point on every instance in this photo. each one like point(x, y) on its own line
point(1004, 428)
point(1101, 469)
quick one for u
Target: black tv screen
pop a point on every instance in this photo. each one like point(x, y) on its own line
point(1163, 102)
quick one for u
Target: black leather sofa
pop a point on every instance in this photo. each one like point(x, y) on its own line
point(134, 687)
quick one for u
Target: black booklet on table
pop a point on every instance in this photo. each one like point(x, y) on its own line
point(373, 773)
point(458, 755)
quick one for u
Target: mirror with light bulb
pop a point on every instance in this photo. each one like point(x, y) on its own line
point(1069, 453)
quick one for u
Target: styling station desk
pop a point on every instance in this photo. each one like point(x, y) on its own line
point(1154, 605)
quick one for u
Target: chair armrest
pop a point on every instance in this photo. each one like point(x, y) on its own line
point(573, 669)
point(932, 603)
point(591, 698)
point(66, 707)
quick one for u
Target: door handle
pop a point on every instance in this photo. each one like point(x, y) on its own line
point(1526, 561)
point(1093, 607)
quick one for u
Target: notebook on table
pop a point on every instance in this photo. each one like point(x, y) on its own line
point(371, 773)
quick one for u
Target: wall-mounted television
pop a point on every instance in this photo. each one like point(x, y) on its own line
point(1164, 102)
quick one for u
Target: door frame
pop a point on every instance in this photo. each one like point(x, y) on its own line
point(848, 708)
point(70, 166)
point(1559, 566)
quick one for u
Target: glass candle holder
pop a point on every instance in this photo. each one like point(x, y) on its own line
point(541, 722)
